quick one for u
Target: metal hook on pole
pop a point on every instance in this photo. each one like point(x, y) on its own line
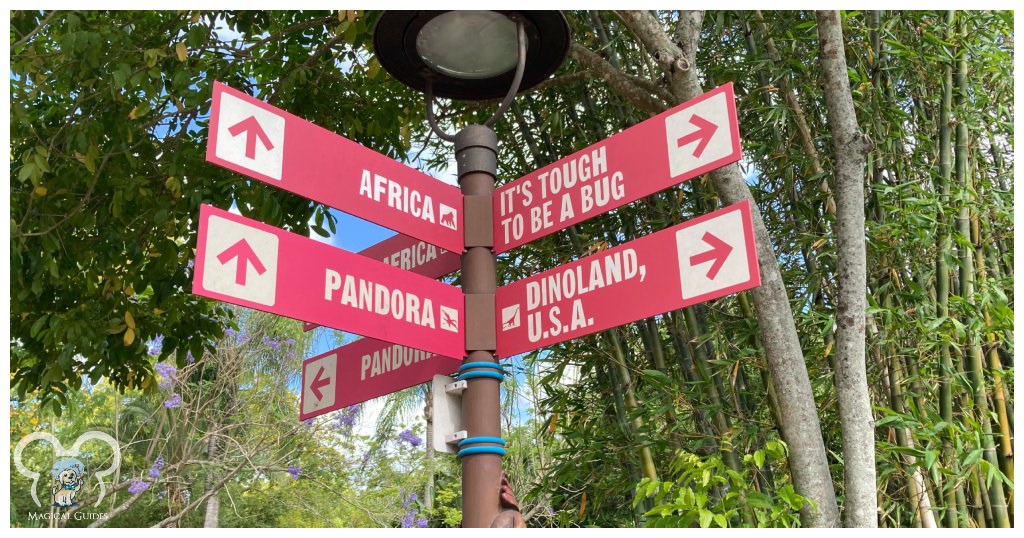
point(505, 103)
point(518, 79)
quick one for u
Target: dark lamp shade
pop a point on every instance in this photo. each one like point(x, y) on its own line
point(469, 55)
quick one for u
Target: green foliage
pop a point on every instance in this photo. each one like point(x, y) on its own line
point(109, 117)
point(447, 511)
point(705, 492)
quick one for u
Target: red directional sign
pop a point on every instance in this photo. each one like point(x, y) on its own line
point(248, 263)
point(698, 260)
point(363, 370)
point(283, 150)
point(410, 254)
point(682, 143)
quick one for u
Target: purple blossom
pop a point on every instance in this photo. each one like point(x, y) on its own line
point(229, 332)
point(421, 523)
point(294, 471)
point(166, 371)
point(155, 345)
point(410, 438)
point(346, 418)
point(408, 500)
point(173, 402)
point(308, 423)
point(137, 486)
point(154, 471)
point(407, 521)
point(189, 358)
point(290, 342)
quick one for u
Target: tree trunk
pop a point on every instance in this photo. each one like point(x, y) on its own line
point(210, 521)
point(801, 428)
point(851, 147)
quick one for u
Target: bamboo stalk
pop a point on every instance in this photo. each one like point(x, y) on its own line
point(995, 497)
point(619, 364)
point(942, 286)
point(722, 422)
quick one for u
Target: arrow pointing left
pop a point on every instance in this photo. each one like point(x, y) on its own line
point(245, 256)
point(318, 383)
point(253, 132)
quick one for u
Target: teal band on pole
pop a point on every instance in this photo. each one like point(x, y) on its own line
point(470, 365)
point(475, 440)
point(481, 450)
point(474, 375)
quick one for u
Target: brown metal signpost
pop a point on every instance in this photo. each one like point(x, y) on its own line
point(427, 50)
point(476, 150)
point(249, 263)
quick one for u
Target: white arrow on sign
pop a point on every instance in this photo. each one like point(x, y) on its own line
point(699, 135)
point(319, 376)
point(240, 261)
point(713, 255)
point(250, 137)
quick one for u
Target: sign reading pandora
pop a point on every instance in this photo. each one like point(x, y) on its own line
point(249, 263)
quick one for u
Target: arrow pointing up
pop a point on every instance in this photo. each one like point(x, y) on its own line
point(246, 256)
point(719, 252)
point(705, 130)
point(318, 383)
point(254, 130)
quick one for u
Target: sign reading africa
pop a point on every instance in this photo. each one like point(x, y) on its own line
point(283, 150)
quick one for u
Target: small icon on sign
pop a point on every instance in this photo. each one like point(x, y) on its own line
point(510, 317)
point(713, 255)
point(449, 319)
point(448, 217)
point(318, 383)
point(719, 253)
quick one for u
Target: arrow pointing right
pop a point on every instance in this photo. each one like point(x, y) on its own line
point(719, 252)
point(705, 130)
point(246, 256)
point(318, 383)
point(254, 130)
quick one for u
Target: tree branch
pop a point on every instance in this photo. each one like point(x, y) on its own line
point(34, 31)
point(623, 84)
